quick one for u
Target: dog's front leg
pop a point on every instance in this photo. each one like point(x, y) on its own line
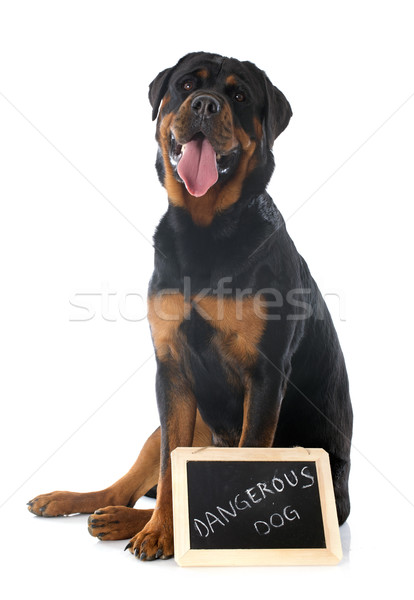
point(177, 408)
point(264, 390)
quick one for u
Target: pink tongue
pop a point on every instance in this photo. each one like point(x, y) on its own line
point(197, 167)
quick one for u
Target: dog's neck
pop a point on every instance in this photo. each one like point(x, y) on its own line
point(234, 241)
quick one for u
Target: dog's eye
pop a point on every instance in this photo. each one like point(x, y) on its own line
point(188, 86)
point(239, 97)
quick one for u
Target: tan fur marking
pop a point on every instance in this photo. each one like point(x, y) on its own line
point(231, 141)
point(268, 428)
point(166, 312)
point(176, 190)
point(118, 522)
point(202, 433)
point(158, 532)
point(165, 101)
point(231, 80)
point(240, 324)
point(246, 406)
point(182, 417)
point(258, 128)
point(142, 476)
point(203, 73)
point(230, 193)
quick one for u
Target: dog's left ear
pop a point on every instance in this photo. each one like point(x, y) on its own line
point(157, 89)
point(277, 112)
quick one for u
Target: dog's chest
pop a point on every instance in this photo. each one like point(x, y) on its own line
point(213, 344)
point(229, 326)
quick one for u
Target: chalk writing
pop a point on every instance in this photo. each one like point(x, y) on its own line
point(220, 516)
point(276, 520)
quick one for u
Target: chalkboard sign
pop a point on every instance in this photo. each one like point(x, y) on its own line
point(254, 506)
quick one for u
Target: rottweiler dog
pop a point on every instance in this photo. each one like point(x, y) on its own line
point(246, 351)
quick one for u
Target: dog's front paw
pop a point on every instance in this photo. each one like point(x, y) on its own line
point(117, 522)
point(54, 504)
point(154, 541)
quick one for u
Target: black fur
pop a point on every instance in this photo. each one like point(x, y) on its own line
point(299, 380)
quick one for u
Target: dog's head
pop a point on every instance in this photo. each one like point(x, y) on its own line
point(217, 121)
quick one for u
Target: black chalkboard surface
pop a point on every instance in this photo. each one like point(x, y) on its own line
point(254, 506)
point(235, 504)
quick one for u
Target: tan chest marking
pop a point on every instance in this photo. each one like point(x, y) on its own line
point(166, 312)
point(239, 324)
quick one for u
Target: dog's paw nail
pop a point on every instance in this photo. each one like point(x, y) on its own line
point(128, 546)
point(143, 556)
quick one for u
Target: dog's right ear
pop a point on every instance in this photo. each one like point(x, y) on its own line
point(277, 111)
point(157, 89)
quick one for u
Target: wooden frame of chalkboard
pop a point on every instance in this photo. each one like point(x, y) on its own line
point(262, 492)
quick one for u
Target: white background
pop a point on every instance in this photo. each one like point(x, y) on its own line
point(79, 202)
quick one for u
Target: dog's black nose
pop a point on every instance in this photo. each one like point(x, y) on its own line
point(205, 106)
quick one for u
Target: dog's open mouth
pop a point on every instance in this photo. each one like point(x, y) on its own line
point(197, 163)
